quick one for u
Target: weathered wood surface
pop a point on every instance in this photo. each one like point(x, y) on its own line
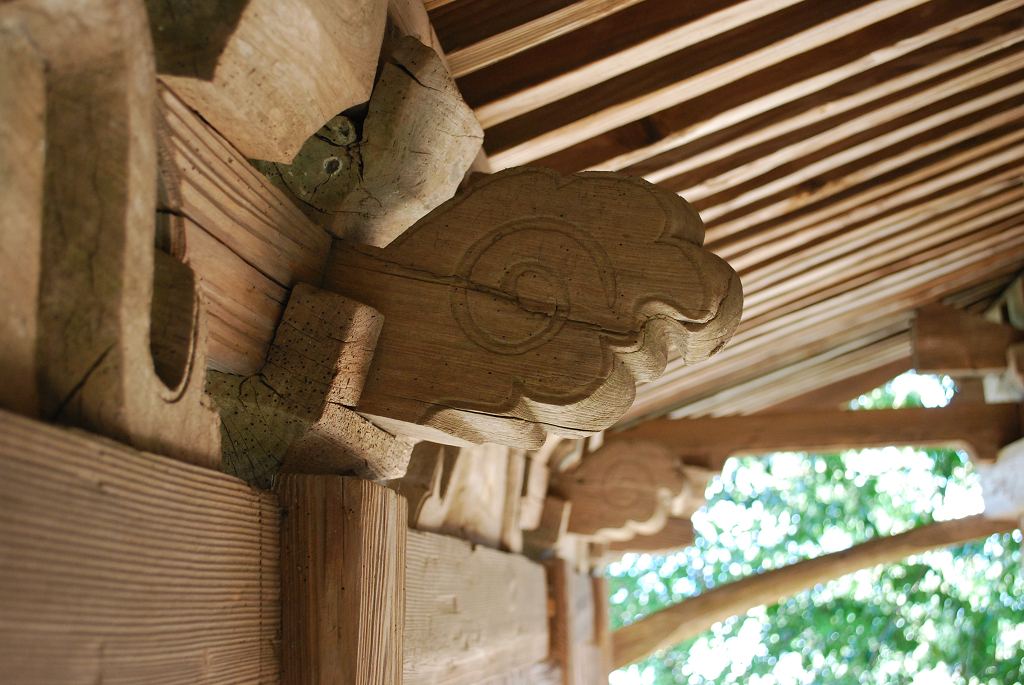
point(418, 141)
point(576, 642)
point(473, 493)
point(123, 567)
point(245, 239)
point(268, 73)
point(627, 486)
point(950, 341)
point(532, 33)
point(95, 368)
point(472, 613)
point(293, 415)
point(981, 430)
point(669, 627)
point(546, 330)
point(22, 159)
point(343, 581)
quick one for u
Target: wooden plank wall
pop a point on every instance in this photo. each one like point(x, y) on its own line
point(118, 566)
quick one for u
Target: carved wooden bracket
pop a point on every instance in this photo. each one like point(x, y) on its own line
point(294, 415)
point(534, 302)
point(625, 488)
point(109, 356)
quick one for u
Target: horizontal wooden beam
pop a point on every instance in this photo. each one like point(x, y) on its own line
point(626, 60)
point(687, 89)
point(668, 627)
point(121, 566)
point(662, 166)
point(525, 36)
point(980, 429)
point(951, 341)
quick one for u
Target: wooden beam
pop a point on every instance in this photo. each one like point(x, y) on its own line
point(247, 241)
point(530, 34)
point(676, 534)
point(811, 330)
point(171, 568)
point(462, 307)
point(951, 341)
point(343, 580)
point(738, 176)
point(472, 613)
point(22, 164)
point(687, 89)
point(840, 393)
point(267, 74)
point(668, 627)
point(981, 430)
point(819, 82)
point(863, 204)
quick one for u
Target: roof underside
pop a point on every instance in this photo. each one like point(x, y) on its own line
point(852, 160)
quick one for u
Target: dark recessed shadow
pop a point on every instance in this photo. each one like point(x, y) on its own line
point(189, 35)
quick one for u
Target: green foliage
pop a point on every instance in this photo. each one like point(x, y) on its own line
point(956, 616)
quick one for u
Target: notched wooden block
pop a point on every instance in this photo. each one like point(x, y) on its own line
point(120, 329)
point(268, 73)
point(534, 302)
point(418, 140)
point(293, 415)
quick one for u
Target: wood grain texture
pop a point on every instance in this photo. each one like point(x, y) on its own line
point(575, 639)
point(267, 74)
point(343, 581)
point(625, 485)
point(691, 617)
point(980, 429)
point(22, 159)
point(525, 36)
point(245, 239)
point(95, 367)
point(625, 112)
point(633, 57)
point(123, 567)
point(419, 140)
point(472, 614)
point(292, 415)
point(950, 341)
point(560, 317)
point(676, 534)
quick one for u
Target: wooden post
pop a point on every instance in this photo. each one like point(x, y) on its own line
point(343, 581)
point(472, 613)
point(119, 566)
point(526, 305)
point(979, 429)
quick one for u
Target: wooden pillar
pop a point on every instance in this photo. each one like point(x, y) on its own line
point(343, 581)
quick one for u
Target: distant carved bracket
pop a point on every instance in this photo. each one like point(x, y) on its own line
point(294, 415)
point(120, 332)
point(626, 488)
point(534, 302)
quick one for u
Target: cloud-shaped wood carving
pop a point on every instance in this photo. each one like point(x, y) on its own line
point(534, 303)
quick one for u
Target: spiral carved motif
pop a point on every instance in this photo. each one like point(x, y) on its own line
point(551, 302)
